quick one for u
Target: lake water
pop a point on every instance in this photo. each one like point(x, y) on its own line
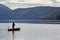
point(30, 31)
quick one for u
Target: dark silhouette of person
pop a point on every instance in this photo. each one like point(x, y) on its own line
point(13, 25)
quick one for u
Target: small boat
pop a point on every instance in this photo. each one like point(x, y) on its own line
point(15, 29)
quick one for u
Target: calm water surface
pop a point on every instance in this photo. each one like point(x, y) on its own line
point(30, 31)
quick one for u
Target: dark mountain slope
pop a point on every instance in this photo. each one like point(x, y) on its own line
point(36, 13)
point(4, 12)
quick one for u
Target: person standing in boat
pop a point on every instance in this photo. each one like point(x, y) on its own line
point(13, 25)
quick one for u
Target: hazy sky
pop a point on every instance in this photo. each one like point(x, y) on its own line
point(29, 3)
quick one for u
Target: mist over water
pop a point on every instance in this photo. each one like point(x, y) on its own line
point(30, 31)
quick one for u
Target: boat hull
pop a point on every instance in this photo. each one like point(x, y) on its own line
point(15, 29)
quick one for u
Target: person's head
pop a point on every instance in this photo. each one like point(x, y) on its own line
point(13, 22)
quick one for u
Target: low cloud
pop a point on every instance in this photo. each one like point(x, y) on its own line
point(57, 0)
point(29, 3)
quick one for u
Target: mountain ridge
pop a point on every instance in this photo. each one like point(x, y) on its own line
point(34, 13)
point(4, 12)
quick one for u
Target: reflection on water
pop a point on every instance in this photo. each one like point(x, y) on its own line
point(30, 32)
point(13, 34)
